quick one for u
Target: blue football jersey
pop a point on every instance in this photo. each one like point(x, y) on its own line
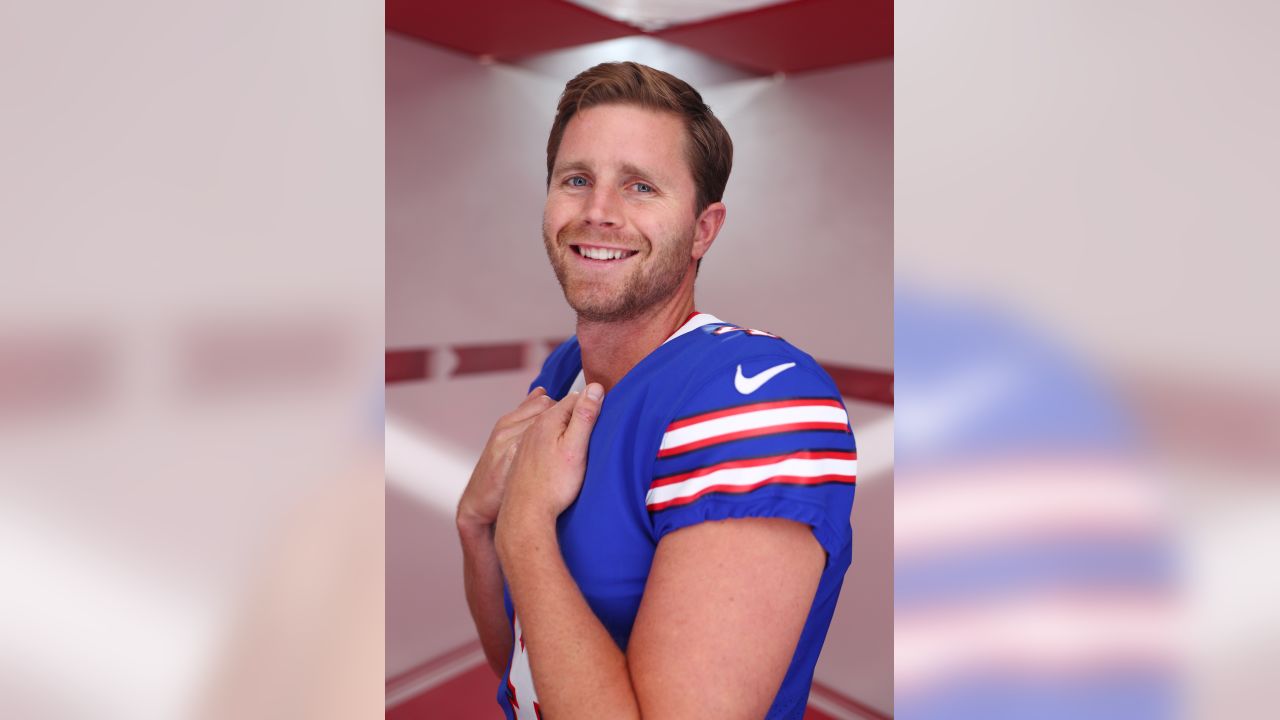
point(718, 422)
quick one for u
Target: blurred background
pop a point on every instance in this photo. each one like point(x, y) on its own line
point(1088, 423)
point(805, 89)
point(191, 259)
point(192, 234)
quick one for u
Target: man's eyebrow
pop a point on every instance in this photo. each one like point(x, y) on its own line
point(629, 169)
point(576, 166)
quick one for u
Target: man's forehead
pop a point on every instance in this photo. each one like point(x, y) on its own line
point(625, 138)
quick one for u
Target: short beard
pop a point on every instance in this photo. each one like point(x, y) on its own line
point(642, 291)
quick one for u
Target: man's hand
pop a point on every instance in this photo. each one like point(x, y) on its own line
point(483, 496)
point(548, 469)
point(477, 514)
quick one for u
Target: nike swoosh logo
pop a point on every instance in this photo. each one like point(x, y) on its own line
point(748, 385)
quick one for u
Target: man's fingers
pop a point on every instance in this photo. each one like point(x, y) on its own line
point(583, 417)
point(535, 403)
point(557, 415)
point(518, 427)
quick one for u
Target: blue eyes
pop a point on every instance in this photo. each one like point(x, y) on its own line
point(578, 181)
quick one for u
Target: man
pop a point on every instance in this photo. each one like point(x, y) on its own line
point(673, 537)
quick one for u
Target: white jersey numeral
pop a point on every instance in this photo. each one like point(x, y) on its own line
point(520, 692)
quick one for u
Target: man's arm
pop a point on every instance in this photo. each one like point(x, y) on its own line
point(482, 579)
point(477, 514)
point(718, 624)
point(577, 669)
point(721, 615)
point(722, 612)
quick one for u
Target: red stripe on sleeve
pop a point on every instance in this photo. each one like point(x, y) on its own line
point(740, 409)
point(753, 432)
point(755, 462)
point(739, 489)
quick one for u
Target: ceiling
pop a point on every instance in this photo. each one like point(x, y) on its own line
point(767, 37)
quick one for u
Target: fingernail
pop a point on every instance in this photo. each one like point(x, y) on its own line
point(594, 391)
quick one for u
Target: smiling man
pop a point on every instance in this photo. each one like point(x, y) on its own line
point(661, 528)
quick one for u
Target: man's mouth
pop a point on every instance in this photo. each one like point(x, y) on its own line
point(595, 252)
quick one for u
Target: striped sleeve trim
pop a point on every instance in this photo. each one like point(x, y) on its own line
point(807, 467)
point(753, 420)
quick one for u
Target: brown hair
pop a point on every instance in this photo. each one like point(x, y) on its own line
point(709, 149)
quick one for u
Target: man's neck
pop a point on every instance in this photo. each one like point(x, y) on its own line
point(611, 349)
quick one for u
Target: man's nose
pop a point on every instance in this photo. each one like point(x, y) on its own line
point(604, 207)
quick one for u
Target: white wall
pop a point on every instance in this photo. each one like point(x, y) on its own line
point(465, 186)
point(807, 249)
point(806, 252)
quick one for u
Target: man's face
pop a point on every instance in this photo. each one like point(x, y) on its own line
point(619, 222)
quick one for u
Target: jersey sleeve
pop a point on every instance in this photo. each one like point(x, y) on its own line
point(784, 449)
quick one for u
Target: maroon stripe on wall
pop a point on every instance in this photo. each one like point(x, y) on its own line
point(792, 36)
point(862, 384)
point(502, 28)
point(488, 358)
point(406, 365)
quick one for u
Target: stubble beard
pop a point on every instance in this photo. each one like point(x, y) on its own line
point(643, 288)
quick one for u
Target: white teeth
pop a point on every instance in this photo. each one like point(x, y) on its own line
point(601, 253)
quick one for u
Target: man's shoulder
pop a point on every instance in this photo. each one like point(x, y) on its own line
point(730, 365)
point(724, 344)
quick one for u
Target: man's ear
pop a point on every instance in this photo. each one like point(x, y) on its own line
point(709, 223)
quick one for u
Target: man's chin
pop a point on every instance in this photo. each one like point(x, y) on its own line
point(599, 312)
point(596, 308)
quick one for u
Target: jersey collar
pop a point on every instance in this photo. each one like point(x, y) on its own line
point(695, 321)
